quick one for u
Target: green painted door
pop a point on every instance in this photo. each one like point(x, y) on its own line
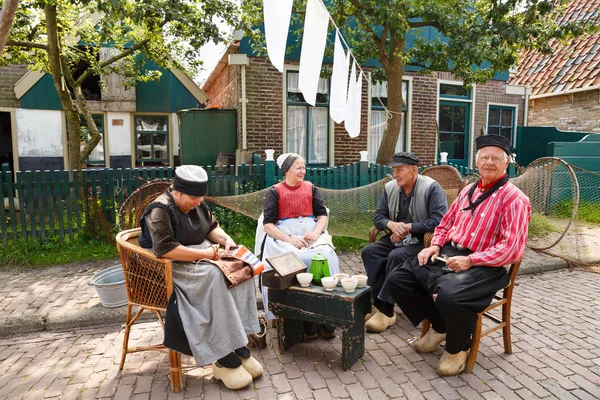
point(454, 117)
point(205, 133)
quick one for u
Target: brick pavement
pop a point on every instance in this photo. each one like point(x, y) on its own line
point(556, 345)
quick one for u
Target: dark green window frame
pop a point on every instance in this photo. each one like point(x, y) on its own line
point(502, 126)
point(151, 139)
point(454, 91)
point(296, 99)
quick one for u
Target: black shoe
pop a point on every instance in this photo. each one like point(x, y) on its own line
point(326, 331)
point(310, 331)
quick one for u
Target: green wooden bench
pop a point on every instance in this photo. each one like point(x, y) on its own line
point(346, 310)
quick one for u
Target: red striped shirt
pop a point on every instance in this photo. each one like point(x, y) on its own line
point(496, 232)
point(295, 201)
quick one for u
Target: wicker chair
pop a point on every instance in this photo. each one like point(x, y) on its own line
point(148, 279)
point(449, 179)
point(504, 300)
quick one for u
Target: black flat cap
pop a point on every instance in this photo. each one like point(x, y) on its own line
point(403, 158)
point(493, 140)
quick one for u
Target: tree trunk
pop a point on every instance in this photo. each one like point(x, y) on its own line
point(72, 114)
point(7, 17)
point(392, 131)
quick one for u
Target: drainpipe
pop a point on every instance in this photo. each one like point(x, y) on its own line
point(242, 60)
point(526, 108)
point(244, 100)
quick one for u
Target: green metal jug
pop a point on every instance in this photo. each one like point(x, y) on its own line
point(319, 267)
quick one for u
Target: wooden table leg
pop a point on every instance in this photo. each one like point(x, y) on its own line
point(289, 332)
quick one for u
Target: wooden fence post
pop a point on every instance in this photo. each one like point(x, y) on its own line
point(269, 171)
point(363, 173)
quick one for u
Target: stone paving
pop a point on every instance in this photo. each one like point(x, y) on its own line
point(556, 355)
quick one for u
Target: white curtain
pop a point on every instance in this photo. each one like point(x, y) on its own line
point(296, 130)
point(292, 84)
point(376, 130)
point(98, 153)
point(318, 135)
point(379, 89)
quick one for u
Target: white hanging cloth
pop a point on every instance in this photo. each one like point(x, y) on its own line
point(353, 105)
point(313, 48)
point(277, 14)
point(339, 82)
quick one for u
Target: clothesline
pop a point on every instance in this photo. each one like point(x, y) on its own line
point(387, 111)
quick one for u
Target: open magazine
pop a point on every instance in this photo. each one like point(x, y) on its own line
point(241, 252)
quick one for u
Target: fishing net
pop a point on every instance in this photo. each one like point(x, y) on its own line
point(350, 210)
point(565, 202)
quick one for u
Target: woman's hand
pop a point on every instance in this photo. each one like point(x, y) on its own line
point(229, 243)
point(297, 242)
point(311, 236)
point(212, 252)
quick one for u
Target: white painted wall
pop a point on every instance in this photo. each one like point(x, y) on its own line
point(119, 136)
point(174, 125)
point(39, 133)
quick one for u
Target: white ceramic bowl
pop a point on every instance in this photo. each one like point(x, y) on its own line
point(304, 278)
point(329, 282)
point(349, 284)
point(341, 276)
point(362, 280)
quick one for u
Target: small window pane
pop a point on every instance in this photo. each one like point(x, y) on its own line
point(150, 123)
point(494, 117)
point(453, 90)
point(494, 130)
point(507, 117)
point(296, 129)
point(446, 118)
point(460, 119)
point(506, 132)
point(317, 153)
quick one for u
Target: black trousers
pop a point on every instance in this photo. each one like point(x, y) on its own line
point(379, 259)
point(460, 296)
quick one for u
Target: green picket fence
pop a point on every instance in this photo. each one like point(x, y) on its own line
point(39, 204)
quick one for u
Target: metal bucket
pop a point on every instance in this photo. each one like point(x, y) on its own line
point(110, 286)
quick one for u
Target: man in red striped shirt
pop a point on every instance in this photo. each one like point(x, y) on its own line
point(484, 230)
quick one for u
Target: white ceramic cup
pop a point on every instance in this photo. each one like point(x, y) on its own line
point(362, 280)
point(304, 279)
point(349, 284)
point(329, 282)
point(341, 276)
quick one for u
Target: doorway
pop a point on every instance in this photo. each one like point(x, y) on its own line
point(6, 148)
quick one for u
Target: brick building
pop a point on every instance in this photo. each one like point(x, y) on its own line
point(565, 86)
point(272, 112)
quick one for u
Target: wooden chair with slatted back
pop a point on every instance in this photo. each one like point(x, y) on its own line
point(501, 299)
point(451, 182)
point(148, 279)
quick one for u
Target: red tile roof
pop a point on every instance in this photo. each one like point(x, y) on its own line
point(574, 65)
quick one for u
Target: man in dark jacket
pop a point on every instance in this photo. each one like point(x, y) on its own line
point(410, 205)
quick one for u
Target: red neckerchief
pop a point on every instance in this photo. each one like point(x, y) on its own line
point(484, 188)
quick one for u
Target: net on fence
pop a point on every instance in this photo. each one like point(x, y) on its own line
point(565, 203)
point(350, 210)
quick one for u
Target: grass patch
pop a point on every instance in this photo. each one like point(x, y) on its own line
point(539, 226)
point(587, 211)
point(33, 253)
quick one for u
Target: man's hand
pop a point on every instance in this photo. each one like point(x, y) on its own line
point(399, 229)
point(396, 238)
point(428, 253)
point(459, 263)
